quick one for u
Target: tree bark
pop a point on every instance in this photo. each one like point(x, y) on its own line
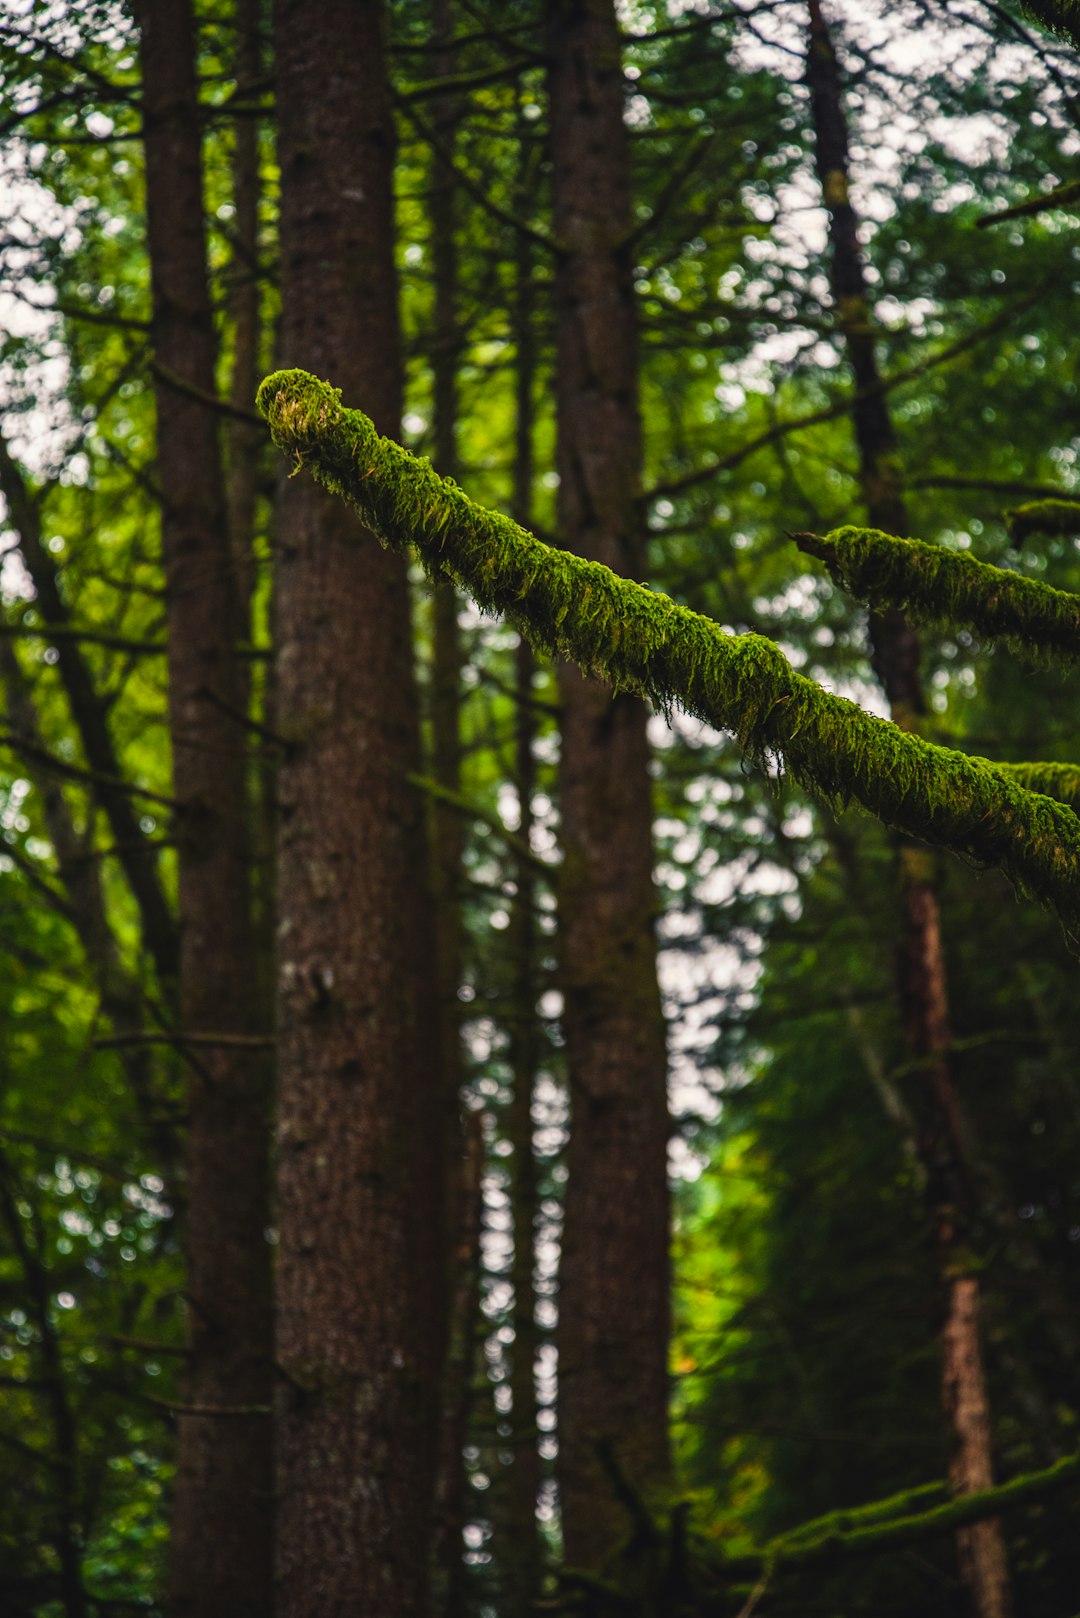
point(613, 1298)
point(360, 1133)
point(222, 1509)
point(922, 982)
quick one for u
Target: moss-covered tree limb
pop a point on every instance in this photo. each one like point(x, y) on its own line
point(1051, 780)
point(1053, 517)
point(642, 641)
point(856, 1533)
point(932, 583)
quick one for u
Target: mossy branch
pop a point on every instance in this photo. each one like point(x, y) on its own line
point(642, 641)
point(856, 1533)
point(938, 585)
point(1053, 517)
point(1051, 780)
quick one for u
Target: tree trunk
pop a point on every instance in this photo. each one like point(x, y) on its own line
point(222, 1511)
point(244, 440)
point(923, 992)
point(522, 1560)
point(464, 1154)
point(613, 1301)
point(360, 1134)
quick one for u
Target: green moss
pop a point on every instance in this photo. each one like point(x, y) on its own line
point(642, 641)
point(937, 585)
point(888, 1525)
point(1061, 781)
point(1053, 517)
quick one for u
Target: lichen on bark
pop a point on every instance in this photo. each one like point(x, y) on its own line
point(641, 640)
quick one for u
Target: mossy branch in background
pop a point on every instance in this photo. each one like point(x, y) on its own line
point(933, 584)
point(1054, 517)
point(862, 1532)
point(642, 641)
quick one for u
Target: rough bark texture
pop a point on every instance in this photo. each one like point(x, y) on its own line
point(360, 1160)
point(922, 982)
point(613, 1321)
point(222, 1513)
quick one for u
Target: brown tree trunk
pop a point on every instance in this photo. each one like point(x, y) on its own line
point(613, 1299)
point(923, 992)
point(522, 1557)
point(360, 1135)
point(244, 439)
point(464, 1154)
point(222, 1510)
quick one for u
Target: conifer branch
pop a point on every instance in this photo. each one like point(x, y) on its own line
point(642, 641)
point(932, 583)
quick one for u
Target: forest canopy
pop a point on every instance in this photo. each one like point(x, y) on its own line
point(539, 792)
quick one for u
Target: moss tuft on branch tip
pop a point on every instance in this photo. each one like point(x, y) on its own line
point(642, 641)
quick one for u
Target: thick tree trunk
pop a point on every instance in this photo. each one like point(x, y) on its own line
point(222, 1512)
point(613, 1300)
point(923, 992)
point(360, 1137)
